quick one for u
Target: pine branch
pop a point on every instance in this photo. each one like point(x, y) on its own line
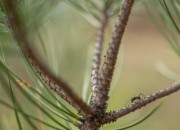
point(137, 104)
point(57, 84)
point(101, 97)
point(98, 47)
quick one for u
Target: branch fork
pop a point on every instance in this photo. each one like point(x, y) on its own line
point(95, 115)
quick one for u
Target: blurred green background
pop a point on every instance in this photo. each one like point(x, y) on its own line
point(69, 39)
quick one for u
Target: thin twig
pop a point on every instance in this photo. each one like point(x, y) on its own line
point(114, 115)
point(57, 84)
point(98, 47)
point(101, 97)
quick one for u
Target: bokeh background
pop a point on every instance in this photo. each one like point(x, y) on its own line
point(144, 61)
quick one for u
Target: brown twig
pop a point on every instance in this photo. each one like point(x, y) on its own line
point(114, 115)
point(101, 97)
point(57, 84)
point(98, 47)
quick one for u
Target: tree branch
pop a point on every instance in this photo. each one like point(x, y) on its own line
point(101, 97)
point(137, 104)
point(57, 84)
point(98, 47)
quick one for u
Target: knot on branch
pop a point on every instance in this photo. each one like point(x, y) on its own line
point(92, 122)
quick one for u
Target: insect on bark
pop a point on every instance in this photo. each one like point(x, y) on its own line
point(137, 98)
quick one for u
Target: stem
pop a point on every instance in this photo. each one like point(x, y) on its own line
point(101, 97)
point(57, 84)
point(96, 61)
point(114, 115)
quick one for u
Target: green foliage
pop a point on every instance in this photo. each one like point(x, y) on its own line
point(38, 100)
point(166, 16)
point(35, 12)
point(3, 26)
point(92, 9)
